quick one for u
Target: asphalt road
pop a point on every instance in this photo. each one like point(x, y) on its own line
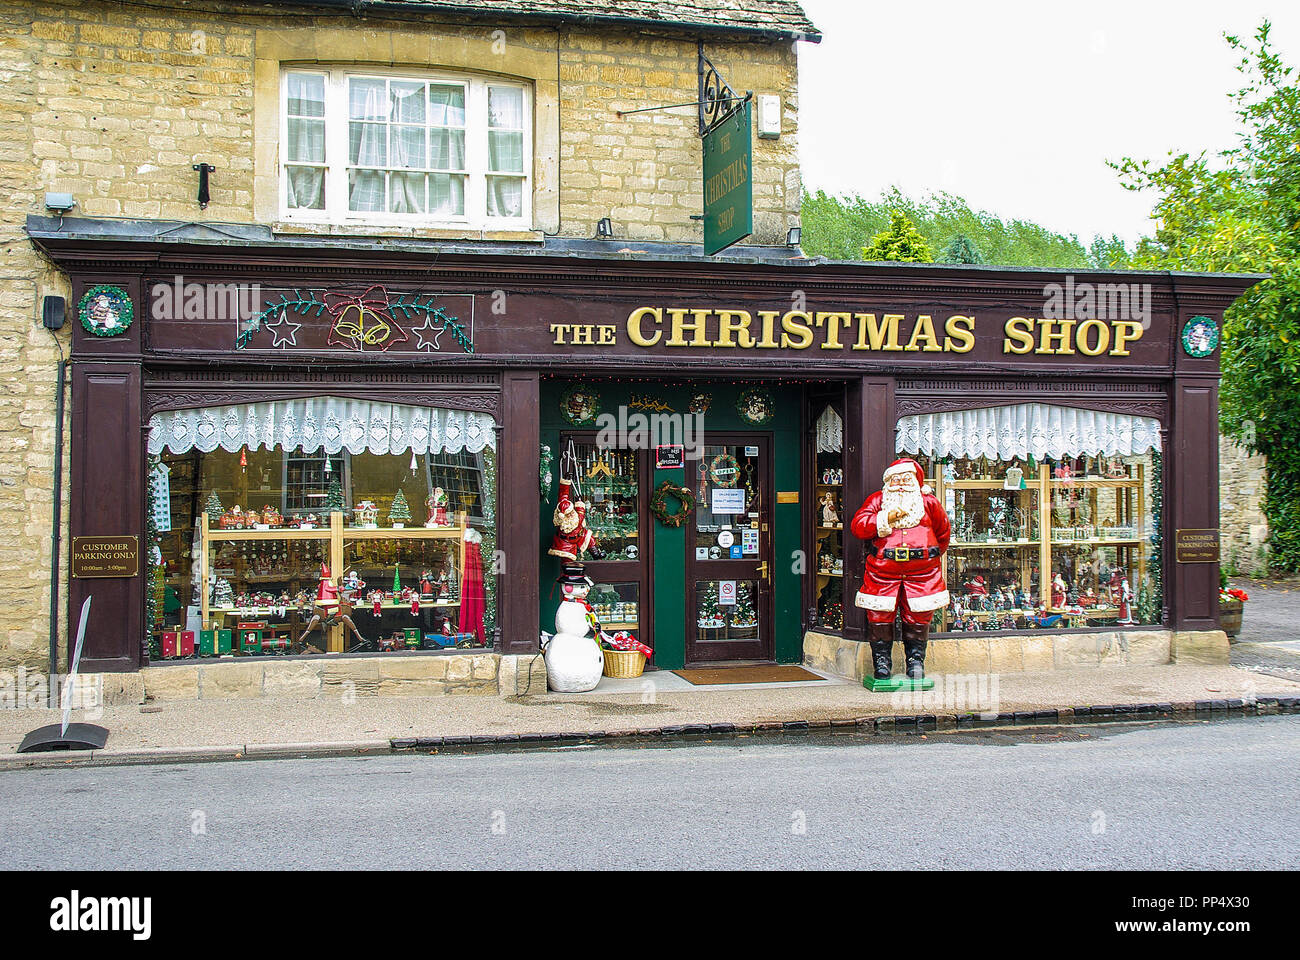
point(1194, 795)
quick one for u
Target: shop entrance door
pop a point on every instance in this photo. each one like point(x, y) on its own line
point(729, 551)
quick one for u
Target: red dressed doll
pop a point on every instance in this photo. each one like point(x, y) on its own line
point(908, 532)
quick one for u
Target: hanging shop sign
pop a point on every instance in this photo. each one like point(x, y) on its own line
point(728, 184)
point(105, 311)
point(105, 556)
point(1196, 546)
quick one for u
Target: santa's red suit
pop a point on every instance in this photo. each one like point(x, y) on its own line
point(572, 535)
point(904, 559)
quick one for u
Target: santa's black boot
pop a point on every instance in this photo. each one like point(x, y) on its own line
point(882, 650)
point(914, 641)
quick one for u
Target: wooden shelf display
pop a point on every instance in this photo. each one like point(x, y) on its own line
point(998, 538)
point(334, 541)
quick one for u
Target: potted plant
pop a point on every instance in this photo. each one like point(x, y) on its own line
point(1232, 604)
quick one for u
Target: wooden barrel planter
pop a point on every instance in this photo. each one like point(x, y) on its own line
point(1230, 612)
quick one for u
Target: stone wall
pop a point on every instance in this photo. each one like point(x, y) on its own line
point(115, 103)
point(1243, 528)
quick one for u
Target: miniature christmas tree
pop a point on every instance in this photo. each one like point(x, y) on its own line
point(334, 498)
point(222, 595)
point(397, 578)
point(213, 508)
point(400, 511)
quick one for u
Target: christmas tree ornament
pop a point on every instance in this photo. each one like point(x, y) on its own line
point(243, 460)
point(399, 512)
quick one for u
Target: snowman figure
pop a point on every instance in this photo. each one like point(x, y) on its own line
point(574, 661)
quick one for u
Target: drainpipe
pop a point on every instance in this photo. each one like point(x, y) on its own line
point(57, 530)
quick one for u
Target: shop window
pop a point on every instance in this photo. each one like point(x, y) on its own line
point(828, 518)
point(403, 521)
point(1055, 515)
point(405, 149)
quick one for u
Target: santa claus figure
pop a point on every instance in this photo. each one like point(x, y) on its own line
point(908, 532)
point(572, 535)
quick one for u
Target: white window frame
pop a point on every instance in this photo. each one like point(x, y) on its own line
point(336, 152)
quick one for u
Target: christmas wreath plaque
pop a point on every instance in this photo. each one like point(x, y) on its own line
point(1200, 337)
point(659, 503)
point(580, 404)
point(105, 310)
point(755, 407)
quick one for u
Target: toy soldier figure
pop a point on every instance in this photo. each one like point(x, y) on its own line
point(908, 532)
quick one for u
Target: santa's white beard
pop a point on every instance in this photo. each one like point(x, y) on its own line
point(909, 501)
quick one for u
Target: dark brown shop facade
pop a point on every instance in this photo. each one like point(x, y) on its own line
point(1068, 423)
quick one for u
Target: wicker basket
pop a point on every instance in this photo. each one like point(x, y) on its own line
point(624, 664)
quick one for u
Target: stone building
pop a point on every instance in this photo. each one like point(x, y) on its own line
point(363, 298)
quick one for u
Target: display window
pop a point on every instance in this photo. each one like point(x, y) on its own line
point(1055, 516)
point(271, 543)
point(829, 518)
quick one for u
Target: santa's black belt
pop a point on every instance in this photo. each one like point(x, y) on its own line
point(909, 553)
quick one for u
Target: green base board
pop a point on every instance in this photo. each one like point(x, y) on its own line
point(897, 683)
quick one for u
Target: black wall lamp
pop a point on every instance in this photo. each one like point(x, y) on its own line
point(205, 196)
point(793, 237)
point(605, 229)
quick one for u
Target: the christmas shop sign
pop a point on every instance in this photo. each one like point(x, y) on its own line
point(720, 328)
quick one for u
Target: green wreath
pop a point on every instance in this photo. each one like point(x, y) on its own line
point(573, 407)
point(1207, 332)
point(724, 462)
point(659, 504)
point(755, 406)
point(105, 310)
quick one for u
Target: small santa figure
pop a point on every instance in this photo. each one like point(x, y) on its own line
point(572, 535)
point(908, 531)
point(1058, 592)
point(436, 505)
point(327, 591)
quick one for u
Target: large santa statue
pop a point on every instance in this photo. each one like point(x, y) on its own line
point(572, 537)
point(908, 531)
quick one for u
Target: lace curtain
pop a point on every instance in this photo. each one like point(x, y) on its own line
point(1019, 430)
point(305, 107)
point(331, 422)
point(830, 432)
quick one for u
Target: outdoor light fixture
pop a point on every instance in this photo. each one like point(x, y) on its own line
point(60, 203)
point(53, 311)
point(605, 229)
point(205, 196)
point(794, 236)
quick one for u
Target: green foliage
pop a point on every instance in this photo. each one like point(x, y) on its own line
point(1239, 210)
point(900, 242)
point(961, 250)
point(838, 229)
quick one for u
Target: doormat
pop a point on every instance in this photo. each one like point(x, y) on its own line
point(760, 674)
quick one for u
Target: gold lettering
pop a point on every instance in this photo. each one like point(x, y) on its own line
point(1020, 335)
point(559, 329)
point(795, 334)
point(768, 340)
point(880, 336)
point(924, 331)
point(1125, 330)
point(1103, 337)
point(699, 337)
point(1048, 334)
point(737, 322)
point(959, 329)
point(582, 334)
point(833, 322)
point(634, 330)
point(605, 334)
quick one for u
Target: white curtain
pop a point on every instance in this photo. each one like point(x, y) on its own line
point(367, 143)
point(505, 151)
point(830, 431)
point(305, 109)
point(333, 423)
point(1024, 429)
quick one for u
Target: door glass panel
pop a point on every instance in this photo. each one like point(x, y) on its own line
point(726, 610)
point(609, 485)
point(727, 504)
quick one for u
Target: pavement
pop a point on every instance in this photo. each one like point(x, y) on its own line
point(1184, 796)
point(1269, 643)
point(652, 706)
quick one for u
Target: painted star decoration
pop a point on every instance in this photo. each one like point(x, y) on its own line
point(285, 331)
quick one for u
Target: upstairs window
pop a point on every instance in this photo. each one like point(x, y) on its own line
point(411, 150)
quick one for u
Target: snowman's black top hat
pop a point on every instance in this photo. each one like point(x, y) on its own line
point(573, 574)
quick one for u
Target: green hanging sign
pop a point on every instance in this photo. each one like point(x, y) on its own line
point(728, 181)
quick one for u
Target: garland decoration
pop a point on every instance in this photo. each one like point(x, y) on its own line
point(105, 310)
point(659, 504)
point(724, 470)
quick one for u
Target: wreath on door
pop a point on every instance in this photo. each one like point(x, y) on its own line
point(659, 503)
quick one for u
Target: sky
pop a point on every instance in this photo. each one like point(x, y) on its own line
point(1017, 106)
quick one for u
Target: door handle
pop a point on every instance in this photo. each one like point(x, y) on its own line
point(764, 573)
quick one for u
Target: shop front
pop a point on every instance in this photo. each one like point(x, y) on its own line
point(332, 449)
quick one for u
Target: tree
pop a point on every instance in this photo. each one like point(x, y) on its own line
point(960, 250)
point(900, 242)
point(1238, 210)
point(334, 496)
point(213, 508)
point(839, 227)
point(400, 511)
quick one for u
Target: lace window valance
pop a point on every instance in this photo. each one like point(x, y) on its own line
point(830, 431)
point(333, 423)
point(1020, 430)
